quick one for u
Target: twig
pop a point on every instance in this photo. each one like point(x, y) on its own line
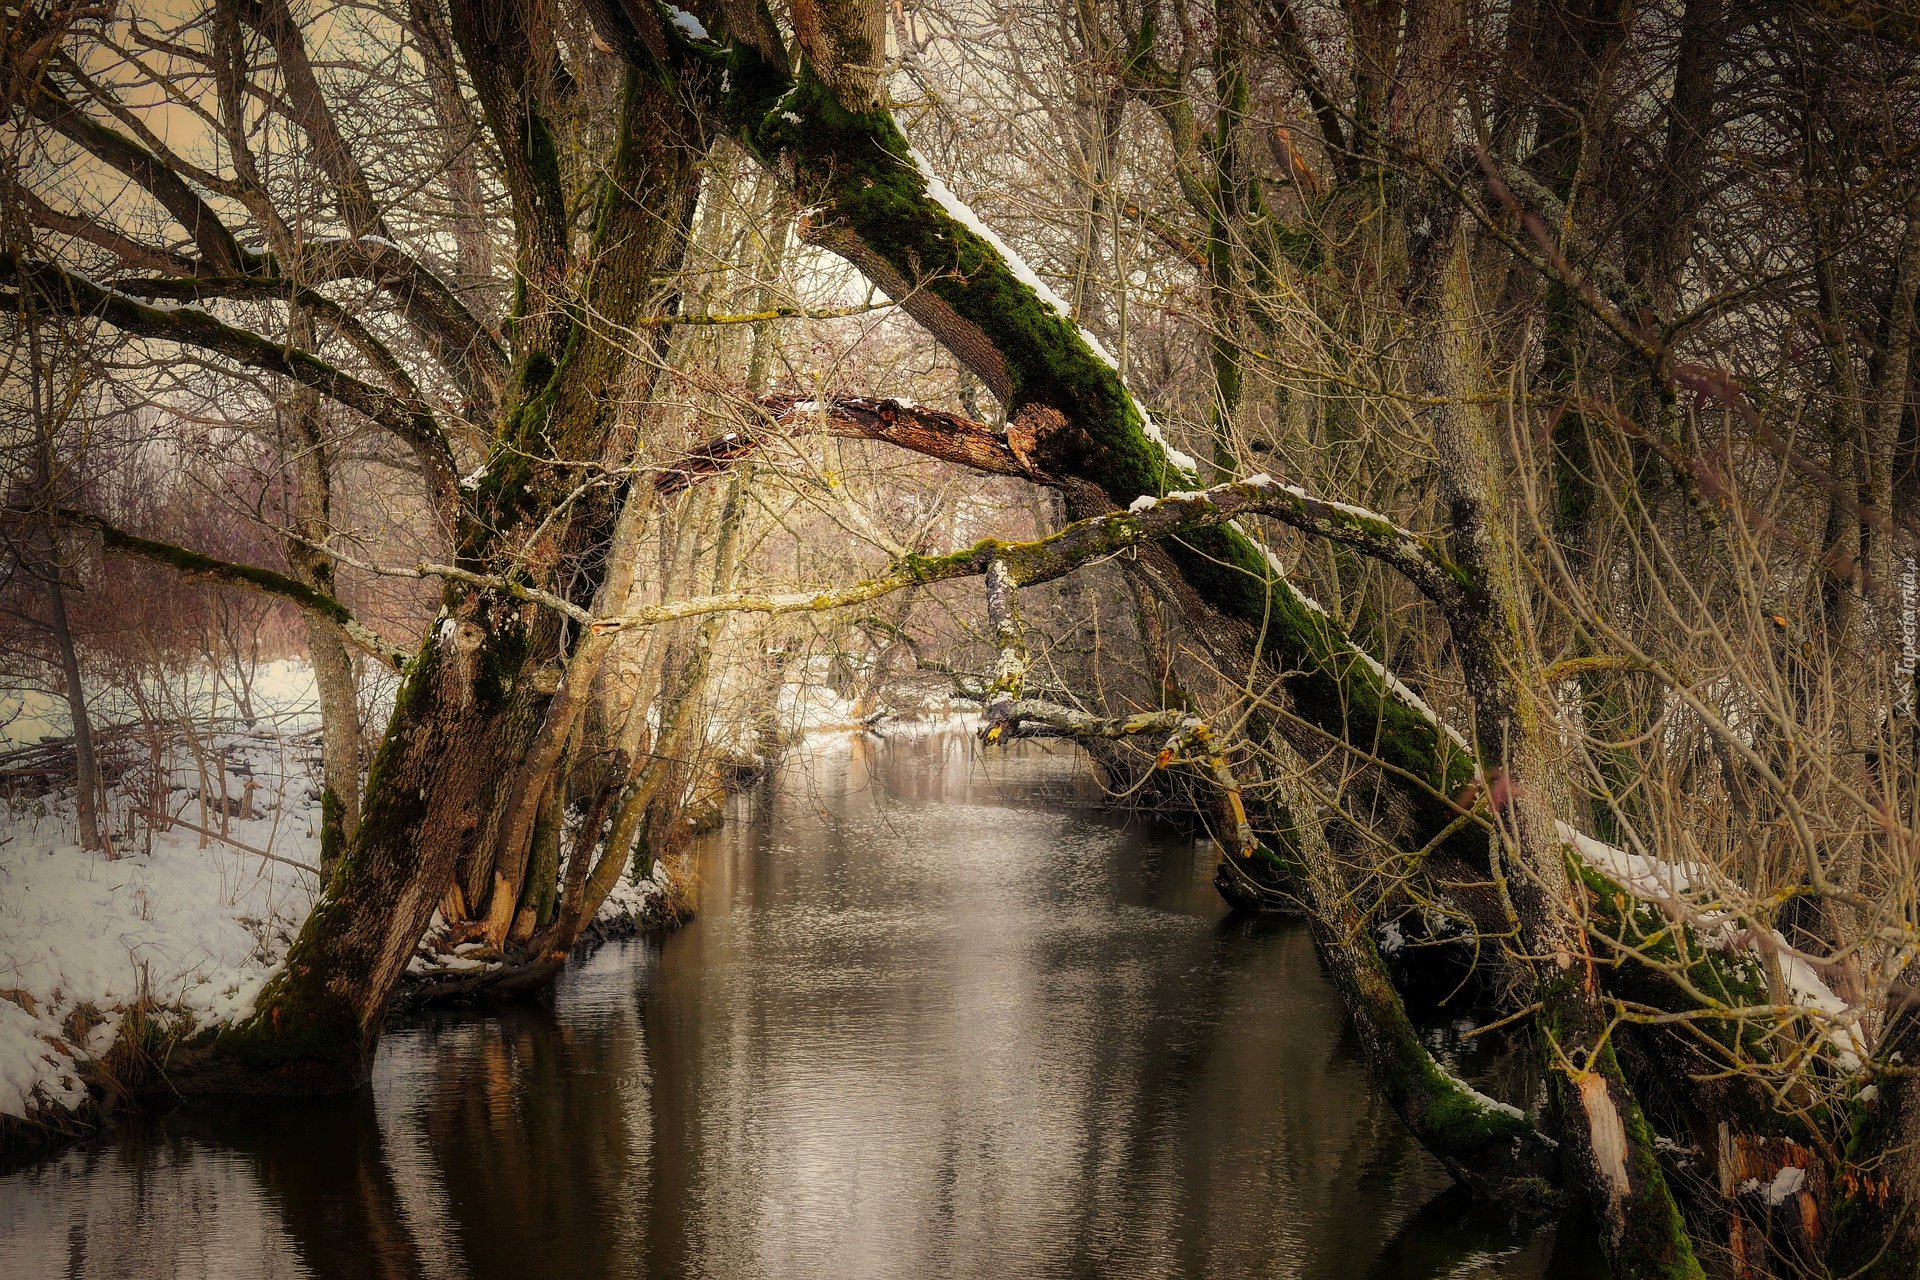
point(244, 848)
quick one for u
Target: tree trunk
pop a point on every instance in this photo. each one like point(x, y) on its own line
point(473, 700)
point(339, 739)
point(1876, 1232)
point(88, 794)
point(333, 678)
point(1608, 1145)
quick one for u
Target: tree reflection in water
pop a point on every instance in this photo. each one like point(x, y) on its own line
point(939, 1015)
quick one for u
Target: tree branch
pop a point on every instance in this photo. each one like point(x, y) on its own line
point(130, 251)
point(408, 419)
point(216, 243)
point(1084, 541)
point(466, 348)
point(193, 565)
point(1284, 26)
point(932, 432)
point(280, 289)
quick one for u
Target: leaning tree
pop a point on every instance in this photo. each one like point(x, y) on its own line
point(1525, 243)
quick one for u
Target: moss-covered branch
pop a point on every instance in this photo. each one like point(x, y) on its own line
point(1182, 515)
point(410, 420)
point(276, 289)
point(194, 565)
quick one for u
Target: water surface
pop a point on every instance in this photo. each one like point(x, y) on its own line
point(940, 1015)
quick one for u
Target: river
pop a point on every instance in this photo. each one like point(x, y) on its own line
point(941, 1014)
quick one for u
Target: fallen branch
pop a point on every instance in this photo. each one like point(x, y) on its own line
point(168, 818)
point(932, 432)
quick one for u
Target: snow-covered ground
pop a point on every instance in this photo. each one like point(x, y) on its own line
point(196, 924)
point(196, 929)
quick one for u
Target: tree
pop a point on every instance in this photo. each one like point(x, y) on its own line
point(1506, 282)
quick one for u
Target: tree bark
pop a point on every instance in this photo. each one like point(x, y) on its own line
point(474, 698)
point(88, 794)
point(1609, 1146)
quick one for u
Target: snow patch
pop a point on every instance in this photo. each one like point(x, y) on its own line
point(198, 930)
point(1185, 461)
point(1684, 890)
point(1329, 503)
point(1491, 1104)
point(688, 23)
point(1786, 1184)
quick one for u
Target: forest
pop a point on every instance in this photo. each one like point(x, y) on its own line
point(1452, 470)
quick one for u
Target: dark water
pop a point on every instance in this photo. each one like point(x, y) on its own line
point(936, 1018)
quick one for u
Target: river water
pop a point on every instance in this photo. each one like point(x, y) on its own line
point(940, 1015)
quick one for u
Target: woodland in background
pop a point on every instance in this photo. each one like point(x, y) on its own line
point(1533, 604)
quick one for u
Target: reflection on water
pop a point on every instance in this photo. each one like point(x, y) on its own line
point(934, 1019)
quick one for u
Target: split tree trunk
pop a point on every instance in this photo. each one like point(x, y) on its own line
point(473, 701)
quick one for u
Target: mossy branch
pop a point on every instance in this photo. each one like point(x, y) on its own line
point(408, 419)
point(1025, 563)
point(273, 289)
point(871, 200)
point(194, 565)
point(761, 317)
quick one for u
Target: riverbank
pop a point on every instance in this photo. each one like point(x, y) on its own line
point(942, 1011)
point(107, 962)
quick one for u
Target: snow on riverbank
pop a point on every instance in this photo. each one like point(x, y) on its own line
point(194, 924)
point(197, 925)
point(195, 930)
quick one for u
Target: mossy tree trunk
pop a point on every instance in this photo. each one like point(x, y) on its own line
point(475, 700)
point(875, 204)
point(1608, 1144)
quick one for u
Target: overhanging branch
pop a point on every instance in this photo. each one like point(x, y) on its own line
point(194, 565)
point(932, 432)
point(279, 289)
point(410, 420)
point(1085, 541)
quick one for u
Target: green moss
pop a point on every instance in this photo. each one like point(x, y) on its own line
point(298, 1022)
point(333, 818)
point(535, 373)
point(1654, 1243)
point(1448, 1120)
point(1457, 1122)
point(857, 166)
point(1730, 979)
point(192, 564)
